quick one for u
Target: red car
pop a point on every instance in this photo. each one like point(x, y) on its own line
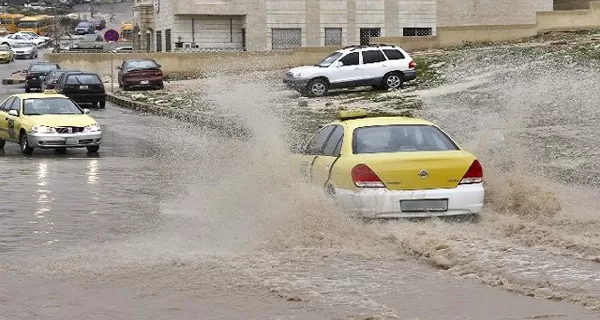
point(140, 73)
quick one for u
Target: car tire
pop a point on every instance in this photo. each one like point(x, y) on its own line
point(317, 88)
point(25, 148)
point(2, 143)
point(102, 104)
point(393, 80)
point(27, 89)
point(92, 149)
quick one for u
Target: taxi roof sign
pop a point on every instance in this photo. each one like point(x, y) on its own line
point(352, 114)
point(50, 91)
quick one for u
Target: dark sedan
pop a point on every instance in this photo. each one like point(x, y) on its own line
point(140, 73)
point(36, 73)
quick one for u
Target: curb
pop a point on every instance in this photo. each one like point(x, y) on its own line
point(223, 125)
point(12, 81)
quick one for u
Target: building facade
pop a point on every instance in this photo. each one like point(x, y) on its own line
point(257, 25)
point(455, 13)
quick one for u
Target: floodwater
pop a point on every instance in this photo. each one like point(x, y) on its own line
point(172, 222)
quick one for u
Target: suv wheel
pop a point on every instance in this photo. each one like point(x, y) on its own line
point(392, 80)
point(317, 88)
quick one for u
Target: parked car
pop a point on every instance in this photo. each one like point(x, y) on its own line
point(89, 41)
point(26, 50)
point(53, 76)
point(98, 22)
point(36, 73)
point(85, 27)
point(9, 40)
point(34, 35)
point(6, 54)
point(379, 66)
point(393, 167)
point(47, 120)
point(21, 37)
point(82, 87)
point(140, 73)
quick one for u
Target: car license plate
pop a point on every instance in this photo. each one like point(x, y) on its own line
point(144, 82)
point(424, 205)
point(72, 141)
point(83, 87)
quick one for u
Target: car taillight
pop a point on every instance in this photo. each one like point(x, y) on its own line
point(364, 177)
point(474, 174)
point(412, 65)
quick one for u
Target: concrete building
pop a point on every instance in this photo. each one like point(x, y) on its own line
point(455, 13)
point(255, 25)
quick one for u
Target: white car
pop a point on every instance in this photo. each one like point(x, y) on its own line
point(16, 37)
point(27, 50)
point(10, 40)
point(34, 35)
point(379, 66)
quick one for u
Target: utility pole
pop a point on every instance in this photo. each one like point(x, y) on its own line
point(57, 28)
point(91, 8)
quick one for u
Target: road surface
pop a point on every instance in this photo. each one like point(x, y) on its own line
point(170, 222)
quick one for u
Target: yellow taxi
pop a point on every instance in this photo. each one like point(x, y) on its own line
point(393, 167)
point(6, 54)
point(47, 120)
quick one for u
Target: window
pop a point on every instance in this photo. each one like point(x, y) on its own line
point(417, 32)
point(372, 56)
point(168, 47)
point(334, 140)
point(16, 105)
point(43, 67)
point(50, 106)
point(393, 54)
point(158, 41)
point(351, 59)
point(329, 59)
point(333, 36)
point(316, 144)
point(7, 104)
point(400, 138)
point(84, 79)
point(284, 39)
point(367, 33)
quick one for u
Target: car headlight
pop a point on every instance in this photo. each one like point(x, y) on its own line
point(92, 128)
point(42, 129)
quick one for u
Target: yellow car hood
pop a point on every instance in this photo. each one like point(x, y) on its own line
point(55, 120)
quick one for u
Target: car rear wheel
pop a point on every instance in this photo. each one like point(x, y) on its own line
point(101, 104)
point(25, 148)
point(2, 143)
point(93, 149)
point(27, 89)
point(318, 88)
point(392, 81)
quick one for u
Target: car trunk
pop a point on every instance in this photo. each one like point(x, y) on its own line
point(419, 170)
point(82, 89)
point(142, 74)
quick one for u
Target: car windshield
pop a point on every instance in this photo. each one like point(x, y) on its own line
point(141, 64)
point(46, 67)
point(44, 106)
point(400, 138)
point(84, 79)
point(22, 45)
point(329, 59)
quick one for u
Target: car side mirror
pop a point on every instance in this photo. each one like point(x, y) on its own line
point(13, 113)
point(86, 111)
point(339, 64)
point(118, 68)
point(158, 65)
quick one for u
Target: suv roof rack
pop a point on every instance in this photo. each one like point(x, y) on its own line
point(363, 46)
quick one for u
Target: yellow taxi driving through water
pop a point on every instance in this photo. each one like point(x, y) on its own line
point(393, 167)
point(47, 120)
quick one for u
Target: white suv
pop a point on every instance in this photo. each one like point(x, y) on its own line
point(377, 65)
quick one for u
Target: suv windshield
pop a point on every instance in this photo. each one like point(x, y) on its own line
point(42, 106)
point(329, 59)
point(400, 138)
point(43, 67)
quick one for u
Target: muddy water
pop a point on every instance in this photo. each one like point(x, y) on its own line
point(186, 224)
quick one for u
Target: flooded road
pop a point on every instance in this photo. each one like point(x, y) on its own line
point(170, 221)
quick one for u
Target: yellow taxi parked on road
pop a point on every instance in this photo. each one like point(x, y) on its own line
point(6, 54)
point(47, 120)
point(393, 167)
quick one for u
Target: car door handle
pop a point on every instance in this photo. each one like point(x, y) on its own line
point(384, 65)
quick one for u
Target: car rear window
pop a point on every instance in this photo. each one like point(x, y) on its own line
point(400, 138)
point(142, 64)
point(43, 67)
point(393, 54)
point(83, 79)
